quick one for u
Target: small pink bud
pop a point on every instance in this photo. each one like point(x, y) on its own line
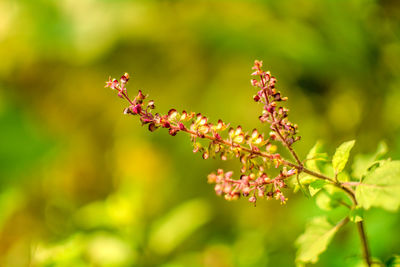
point(291, 172)
point(218, 189)
point(152, 127)
point(150, 105)
point(166, 124)
point(140, 96)
point(125, 78)
point(173, 131)
point(181, 126)
point(254, 134)
point(253, 199)
point(246, 191)
point(203, 121)
point(184, 115)
point(223, 157)
point(256, 98)
point(229, 175)
point(136, 109)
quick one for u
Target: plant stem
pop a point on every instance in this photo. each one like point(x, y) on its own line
point(364, 243)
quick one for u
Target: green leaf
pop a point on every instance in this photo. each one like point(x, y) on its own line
point(363, 162)
point(343, 177)
point(314, 240)
point(342, 155)
point(331, 197)
point(381, 187)
point(314, 156)
point(357, 214)
point(316, 186)
point(304, 179)
point(301, 187)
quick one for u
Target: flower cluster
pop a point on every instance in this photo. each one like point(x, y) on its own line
point(255, 186)
point(256, 152)
point(282, 129)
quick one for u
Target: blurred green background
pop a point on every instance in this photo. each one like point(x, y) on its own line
point(83, 185)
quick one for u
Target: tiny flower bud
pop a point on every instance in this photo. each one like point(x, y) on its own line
point(253, 199)
point(260, 193)
point(166, 124)
point(172, 114)
point(219, 125)
point(229, 175)
point(223, 156)
point(150, 105)
point(246, 191)
point(227, 189)
point(125, 78)
point(252, 176)
point(277, 97)
point(231, 132)
point(136, 109)
point(183, 115)
point(173, 131)
point(238, 130)
point(239, 138)
point(140, 97)
point(228, 197)
point(152, 127)
point(181, 126)
point(218, 189)
point(235, 195)
point(203, 121)
point(212, 178)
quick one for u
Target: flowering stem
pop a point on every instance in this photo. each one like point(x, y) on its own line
point(254, 151)
point(276, 129)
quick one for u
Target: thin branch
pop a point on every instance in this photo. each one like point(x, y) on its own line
point(364, 243)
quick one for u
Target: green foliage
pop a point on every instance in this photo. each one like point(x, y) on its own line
point(308, 184)
point(381, 187)
point(316, 155)
point(341, 156)
point(394, 261)
point(316, 186)
point(356, 214)
point(315, 240)
point(330, 197)
point(362, 162)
